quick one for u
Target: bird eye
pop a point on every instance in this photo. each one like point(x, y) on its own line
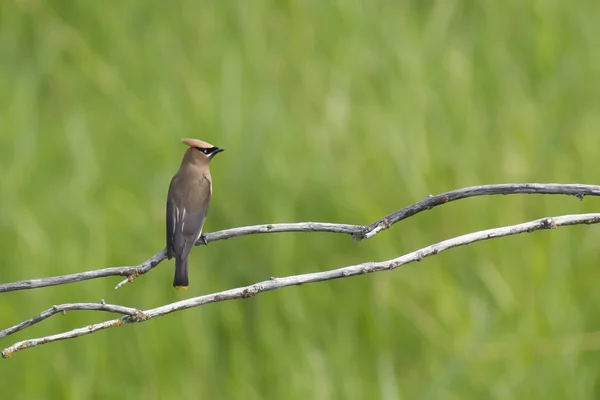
point(202, 149)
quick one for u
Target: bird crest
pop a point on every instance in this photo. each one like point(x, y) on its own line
point(197, 143)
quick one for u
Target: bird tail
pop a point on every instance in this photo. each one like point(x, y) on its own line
point(180, 281)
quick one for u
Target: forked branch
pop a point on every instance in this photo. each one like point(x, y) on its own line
point(133, 315)
point(358, 232)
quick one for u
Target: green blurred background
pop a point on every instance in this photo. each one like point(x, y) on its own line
point(330, 111)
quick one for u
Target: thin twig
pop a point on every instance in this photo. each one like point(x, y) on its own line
point(358, 232)
point(277, 283)
point(63, 308)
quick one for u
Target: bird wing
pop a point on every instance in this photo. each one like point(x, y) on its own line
point(170, 225)
point(187, 206)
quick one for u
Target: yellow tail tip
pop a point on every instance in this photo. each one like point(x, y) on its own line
point(180, 287)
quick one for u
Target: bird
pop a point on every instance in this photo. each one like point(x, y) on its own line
point(189, 196)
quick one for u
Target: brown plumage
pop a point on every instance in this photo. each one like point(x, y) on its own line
point(189, 196)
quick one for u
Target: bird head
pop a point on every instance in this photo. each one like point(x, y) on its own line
point(202, 150)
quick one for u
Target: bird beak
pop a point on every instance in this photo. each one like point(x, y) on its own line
point(215, 151)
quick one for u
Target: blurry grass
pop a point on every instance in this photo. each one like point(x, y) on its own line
point(330, 111)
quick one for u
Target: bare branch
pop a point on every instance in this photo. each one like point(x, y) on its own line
point(130, 271)
point(575, 189)
point(63, 308)
point(358, 232)
point(278, 228)
point(277, 283)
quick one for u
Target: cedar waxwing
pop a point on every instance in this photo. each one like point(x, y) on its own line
point(187, 204)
